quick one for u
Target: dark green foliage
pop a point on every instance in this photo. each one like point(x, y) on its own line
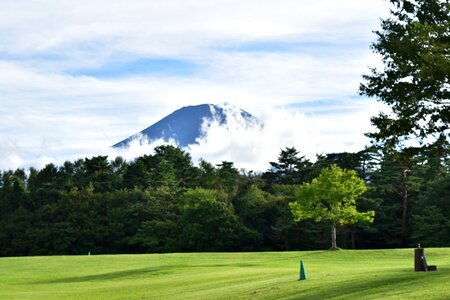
point(163, 203)
point(414, 44)
point(210, 224)
point(169, 166)
point(289, 169)
point(362, 162)
point(227, 178)
point(260, 211)
point(286, 234)
point(98, 173)
point(430, 217)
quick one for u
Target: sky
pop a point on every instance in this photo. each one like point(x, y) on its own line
point(79, 76)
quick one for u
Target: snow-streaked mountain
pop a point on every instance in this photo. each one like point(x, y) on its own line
point(185, 125)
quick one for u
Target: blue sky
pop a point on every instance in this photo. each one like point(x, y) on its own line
point(79, 76)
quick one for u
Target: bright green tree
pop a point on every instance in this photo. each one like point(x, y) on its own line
point(331, 197)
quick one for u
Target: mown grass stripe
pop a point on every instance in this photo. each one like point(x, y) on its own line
point(358, 274)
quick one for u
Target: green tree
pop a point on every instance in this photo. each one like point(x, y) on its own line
point(208, 175)
point(136, 174)
point(185, 173)
point(331, 197)
point(259, 211)
point(290, 168)
point(228, 179)
point(119, 167)
point(361, 161)
point(414, 44)
point(98, 173)
point(398, 181)
point(430, 224)
point(209, 224)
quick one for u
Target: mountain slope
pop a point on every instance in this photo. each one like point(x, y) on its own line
point(185, 125)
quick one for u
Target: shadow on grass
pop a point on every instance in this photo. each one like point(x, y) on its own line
point(108, 276)
point(149, 271)
point(381, 285)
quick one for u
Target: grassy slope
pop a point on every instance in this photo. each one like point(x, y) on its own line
point(365, 274)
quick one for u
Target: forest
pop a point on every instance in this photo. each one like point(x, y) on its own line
point(164, 203)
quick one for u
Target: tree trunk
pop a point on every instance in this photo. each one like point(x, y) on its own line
point(352, 236)
point(333, 236)
point(403, 239)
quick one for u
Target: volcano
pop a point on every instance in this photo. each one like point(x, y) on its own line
point(188, 124)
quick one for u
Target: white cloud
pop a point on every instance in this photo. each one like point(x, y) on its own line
point(253, 146)
point(50, 115)
point(177, 27)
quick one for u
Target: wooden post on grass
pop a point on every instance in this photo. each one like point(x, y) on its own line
point(419, 254)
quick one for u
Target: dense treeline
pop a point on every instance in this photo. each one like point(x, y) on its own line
point(164, 203)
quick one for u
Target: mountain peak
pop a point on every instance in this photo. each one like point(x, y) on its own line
point(189, 123)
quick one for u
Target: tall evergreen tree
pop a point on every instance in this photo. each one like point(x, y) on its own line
point(414, 43)
point(290, 168)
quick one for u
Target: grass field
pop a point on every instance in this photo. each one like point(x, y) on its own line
point(360, 274)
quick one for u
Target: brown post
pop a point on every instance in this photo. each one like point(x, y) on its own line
point(419, 266)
